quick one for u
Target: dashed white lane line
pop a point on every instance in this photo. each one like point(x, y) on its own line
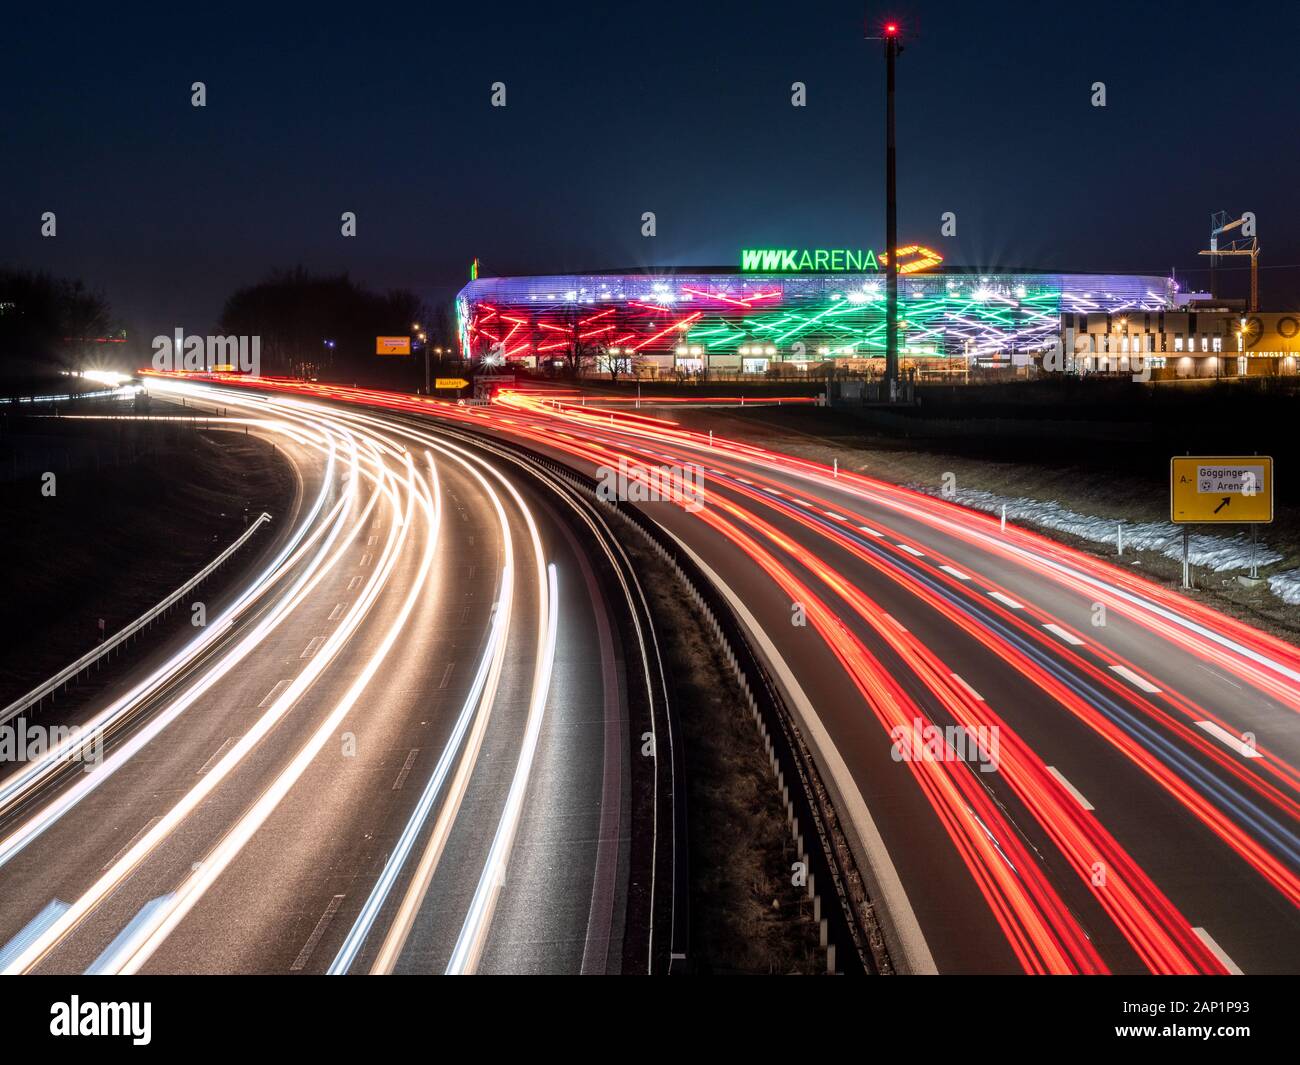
point(1228, 739)
point(1064, 634)
point(445, 674)
point(365, 559)
point(870, 531)
point(1219, 676)
point(406, 769)
point(336, 613)
point(274, 693)
point(1218, 952)
point(742, 480)
point(372, 541)
point(312, 647)
point(910, 550)
point(353, 583)
point(215, 755)
point(832, 514)
point(955, 573)
point(1134, 679)
point(148, 825)
point(1006, 600)
point(304, 955)
point(962, 681)
point(1078, 795)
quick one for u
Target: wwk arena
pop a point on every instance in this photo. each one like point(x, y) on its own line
point(788, 312)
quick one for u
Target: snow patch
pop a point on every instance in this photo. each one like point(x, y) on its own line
point(1214, 551)
point(1286, 586)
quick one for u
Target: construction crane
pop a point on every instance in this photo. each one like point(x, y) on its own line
point(1219, 225)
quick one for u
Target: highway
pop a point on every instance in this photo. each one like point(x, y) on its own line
point(1047, 763)
point(400, 746)
point(1126, 828)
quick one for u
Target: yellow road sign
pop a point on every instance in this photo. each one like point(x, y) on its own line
point(450, 382)
point(392, 345)
point(1220, 488)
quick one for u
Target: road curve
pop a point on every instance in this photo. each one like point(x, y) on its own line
point(1047, 763)
point(402, 746)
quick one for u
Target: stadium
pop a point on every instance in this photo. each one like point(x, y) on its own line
point(786, 312)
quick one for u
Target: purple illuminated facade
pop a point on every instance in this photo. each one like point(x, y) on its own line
point(690, 321)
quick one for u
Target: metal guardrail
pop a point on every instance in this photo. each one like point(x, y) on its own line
point(87, 660)
point(796, 775)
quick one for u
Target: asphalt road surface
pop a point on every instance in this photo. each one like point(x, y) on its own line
point(403, 749)
point(1045, 763)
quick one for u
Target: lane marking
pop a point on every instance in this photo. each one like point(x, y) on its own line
point(962, 681)
point(372, 541)
point(365, 559)
point(1233, 968)
point(910, 550)
point(870, 531)
point(215, 755)
point(955, 573)
point(1064, 634)
point(274, 693)
point(336, 613)
point(1006, 600)
point(832, 514)
point(1134, 679)
point(353, 583)
point(445, 674)
point(304, 955)
point(1228, 739)
point(312, 647)
point(148, 825)
point(1078, 795)
point(406, 768)
point(1219, 676)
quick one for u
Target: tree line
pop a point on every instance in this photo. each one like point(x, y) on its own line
point(48, 323)
point(310, 325)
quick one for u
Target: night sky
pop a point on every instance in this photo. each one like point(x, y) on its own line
point(615, 109)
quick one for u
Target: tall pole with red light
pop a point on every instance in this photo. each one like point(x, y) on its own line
point(892, 48)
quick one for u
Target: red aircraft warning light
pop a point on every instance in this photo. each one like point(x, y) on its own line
point(891, 29)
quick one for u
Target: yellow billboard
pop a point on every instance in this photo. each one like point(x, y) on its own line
point(1219, 488)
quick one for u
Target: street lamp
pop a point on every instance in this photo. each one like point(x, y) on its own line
point(418, 330)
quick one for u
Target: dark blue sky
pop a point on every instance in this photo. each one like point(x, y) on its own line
point(615, 109)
